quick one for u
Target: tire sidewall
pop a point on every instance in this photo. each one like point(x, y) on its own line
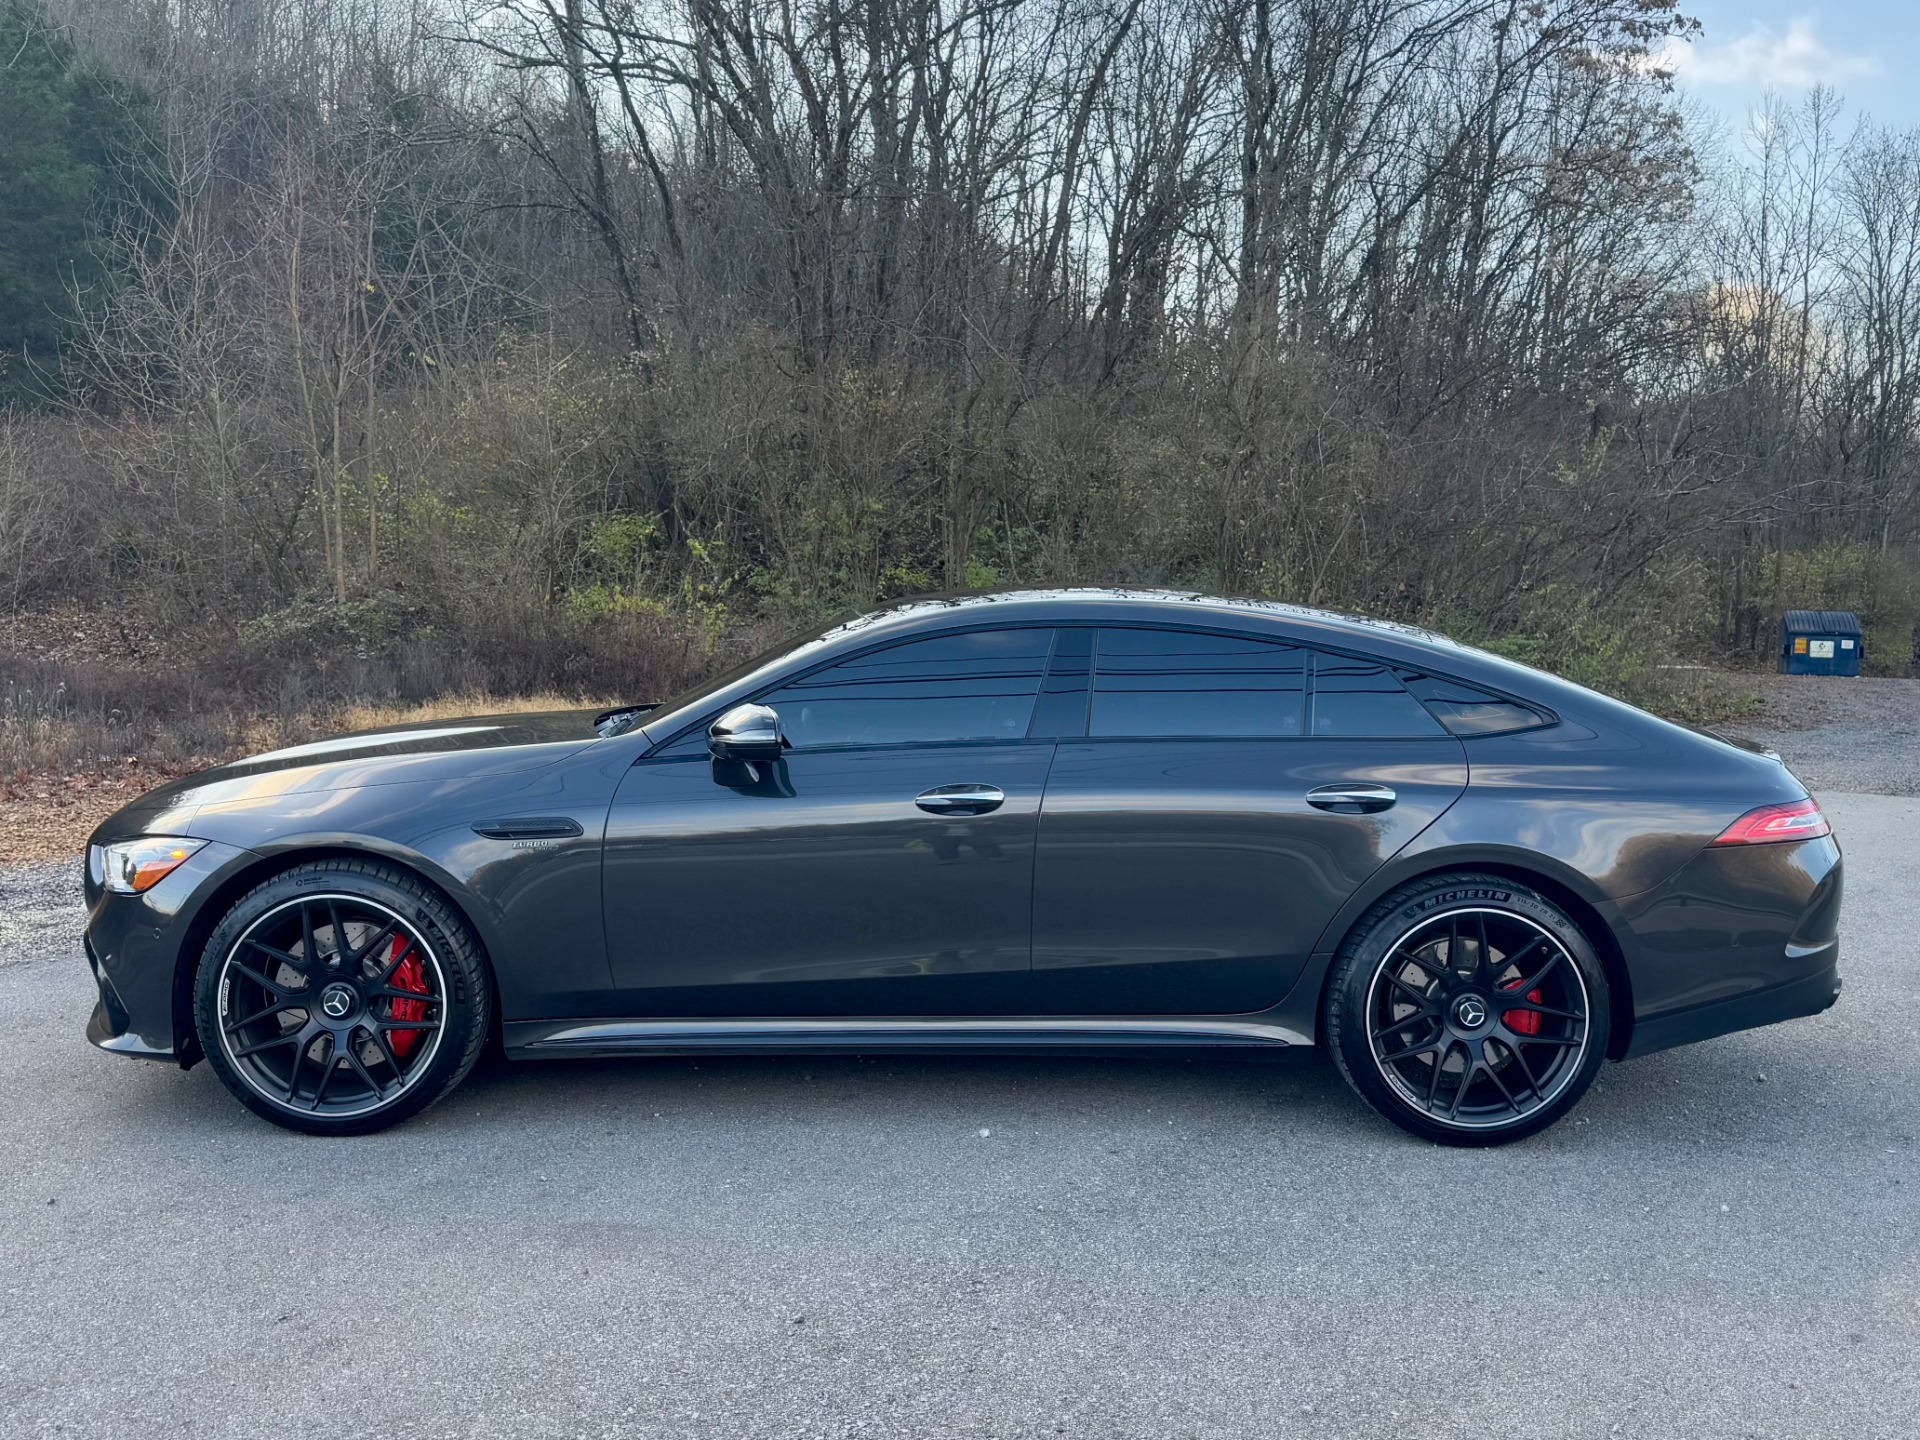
point(464, 1013)
point(1360, 958)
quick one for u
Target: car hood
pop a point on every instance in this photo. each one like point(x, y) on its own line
point(436, 750)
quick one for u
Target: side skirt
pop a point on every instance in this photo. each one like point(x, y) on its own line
point(552, 1040)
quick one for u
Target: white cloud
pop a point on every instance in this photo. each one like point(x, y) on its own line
point(1796, 60)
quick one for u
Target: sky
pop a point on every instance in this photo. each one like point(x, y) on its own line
point(1869, 50)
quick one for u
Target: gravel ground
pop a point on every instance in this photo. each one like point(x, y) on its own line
point(1857, 736)
point(1723, 1241)
point(40, 907)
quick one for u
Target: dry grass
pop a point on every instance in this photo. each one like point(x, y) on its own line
point(49, 818)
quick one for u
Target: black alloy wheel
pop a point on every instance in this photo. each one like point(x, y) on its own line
point(1469, 1009)
point(341, 997)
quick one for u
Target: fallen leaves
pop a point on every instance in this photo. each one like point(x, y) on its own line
point(46, 817)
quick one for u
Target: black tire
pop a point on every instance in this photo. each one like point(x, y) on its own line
point(1419, 1021)
point(401, 968)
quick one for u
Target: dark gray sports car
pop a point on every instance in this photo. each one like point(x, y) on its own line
point(1066, 820)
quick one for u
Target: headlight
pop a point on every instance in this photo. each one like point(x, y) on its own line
point(136, 865)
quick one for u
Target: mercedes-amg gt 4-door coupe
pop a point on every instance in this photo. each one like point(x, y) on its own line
point(1092, 821)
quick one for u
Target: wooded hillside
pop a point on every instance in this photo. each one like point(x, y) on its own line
point(557, 342)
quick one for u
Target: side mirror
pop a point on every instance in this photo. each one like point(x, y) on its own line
point(746, 732)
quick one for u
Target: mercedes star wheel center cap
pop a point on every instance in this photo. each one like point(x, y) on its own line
point(1470, 1012)
point(338, 1001)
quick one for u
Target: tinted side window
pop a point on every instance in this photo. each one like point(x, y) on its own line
point(1173, 683)
point(953, 687)
point(1359, 698)
point(1466, 711)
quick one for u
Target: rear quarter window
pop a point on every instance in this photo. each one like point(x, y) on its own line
point(1467, 712)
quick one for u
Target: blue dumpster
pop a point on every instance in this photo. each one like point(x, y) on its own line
point(1820, 642)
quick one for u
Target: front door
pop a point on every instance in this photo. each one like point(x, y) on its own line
point(1191, 846)
point(883, 868)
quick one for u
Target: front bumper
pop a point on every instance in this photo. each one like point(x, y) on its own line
point(142, 949)
point(110, 1026)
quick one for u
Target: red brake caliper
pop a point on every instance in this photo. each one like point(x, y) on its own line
point(408, 975)
point(1524, 1022)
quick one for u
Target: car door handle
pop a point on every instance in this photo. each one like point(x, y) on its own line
point(1351, 799)
point(961, 799)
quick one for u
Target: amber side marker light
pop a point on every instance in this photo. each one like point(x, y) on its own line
point(1771, 824)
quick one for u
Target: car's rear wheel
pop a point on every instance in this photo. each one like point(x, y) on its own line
point(341, 997)
point(1468, 1009)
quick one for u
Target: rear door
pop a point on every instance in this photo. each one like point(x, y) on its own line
point(1193, 840)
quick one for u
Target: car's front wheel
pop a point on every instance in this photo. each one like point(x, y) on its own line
point(1468, 1009)
point(341, 997)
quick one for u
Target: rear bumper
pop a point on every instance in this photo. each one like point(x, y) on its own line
point(1793, 1001)
point(1741, 936)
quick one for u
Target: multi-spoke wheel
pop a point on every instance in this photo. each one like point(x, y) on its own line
point(341, 997)
point(1468, 1009)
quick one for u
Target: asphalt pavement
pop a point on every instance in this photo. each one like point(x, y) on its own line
point(1722, 1241)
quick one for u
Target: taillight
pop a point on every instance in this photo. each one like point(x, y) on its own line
point(1801, 820)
